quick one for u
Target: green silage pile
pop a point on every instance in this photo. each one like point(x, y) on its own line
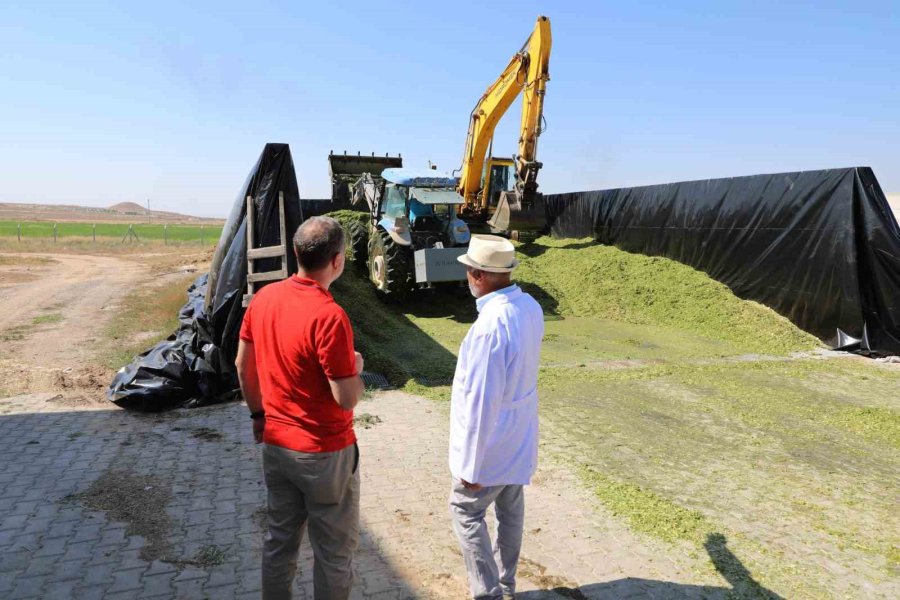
point(414, 343)
point(584, 279)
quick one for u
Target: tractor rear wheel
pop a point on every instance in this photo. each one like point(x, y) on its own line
point(390, 266)
point(356, 244)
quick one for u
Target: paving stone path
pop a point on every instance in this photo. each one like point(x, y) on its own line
point(204, 497)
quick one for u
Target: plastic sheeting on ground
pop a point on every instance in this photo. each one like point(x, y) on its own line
point(820, 247)
point(195, 366)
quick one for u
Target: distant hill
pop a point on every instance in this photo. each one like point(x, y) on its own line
point(128, 208)
point(123, 212)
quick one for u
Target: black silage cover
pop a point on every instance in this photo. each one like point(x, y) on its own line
point(195, 366)
point(820, 247)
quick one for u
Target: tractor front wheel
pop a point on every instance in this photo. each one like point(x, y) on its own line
point(390, 266)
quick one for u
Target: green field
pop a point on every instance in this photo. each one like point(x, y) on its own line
point(144, 231)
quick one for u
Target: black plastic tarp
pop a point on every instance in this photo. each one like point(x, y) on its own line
point(181, 369)
point(820, 247)
point(195, 366)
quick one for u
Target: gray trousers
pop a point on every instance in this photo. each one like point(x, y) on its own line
point(492, 571)
point(318, 491)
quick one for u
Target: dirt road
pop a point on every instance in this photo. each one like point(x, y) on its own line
point(52, 310)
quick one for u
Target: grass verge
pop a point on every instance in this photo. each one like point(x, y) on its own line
point(147, 315)
point(25, 261)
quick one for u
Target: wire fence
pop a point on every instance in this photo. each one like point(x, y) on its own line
point(105, 232)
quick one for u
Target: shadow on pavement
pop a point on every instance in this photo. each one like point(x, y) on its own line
point(742, 584)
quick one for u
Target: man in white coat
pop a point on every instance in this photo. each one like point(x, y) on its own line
point(494, 418)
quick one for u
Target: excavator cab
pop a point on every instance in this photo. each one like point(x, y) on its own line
point(499, 176)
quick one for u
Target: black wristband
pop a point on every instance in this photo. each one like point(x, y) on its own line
point(258, 415)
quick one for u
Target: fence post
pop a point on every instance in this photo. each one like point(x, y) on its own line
point(201, 235)
point(54, 233)
point(19, 231)
point(166, 234)
point(94, 231)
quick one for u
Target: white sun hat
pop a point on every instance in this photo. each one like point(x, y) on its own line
point(490, 253)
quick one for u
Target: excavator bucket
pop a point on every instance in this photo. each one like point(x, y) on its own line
point(518, 214)
point(345, 169)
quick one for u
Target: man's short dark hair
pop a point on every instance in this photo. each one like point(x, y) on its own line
point(317, 241)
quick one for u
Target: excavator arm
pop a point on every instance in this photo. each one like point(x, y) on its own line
point(527, 73)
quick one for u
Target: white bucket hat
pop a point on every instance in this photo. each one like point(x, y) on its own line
point(490, 253)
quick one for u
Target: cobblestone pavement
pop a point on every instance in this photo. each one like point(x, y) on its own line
point(54, 546)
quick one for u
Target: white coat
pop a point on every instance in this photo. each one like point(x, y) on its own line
point(494, 404)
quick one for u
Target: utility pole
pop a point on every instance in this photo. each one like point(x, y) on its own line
point(148, 211)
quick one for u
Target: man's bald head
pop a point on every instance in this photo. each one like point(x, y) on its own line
point(317, 241)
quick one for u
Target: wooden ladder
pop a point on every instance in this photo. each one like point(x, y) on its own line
point(254, 253)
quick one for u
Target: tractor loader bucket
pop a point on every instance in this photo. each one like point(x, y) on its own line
point(345, 169)
point(517, 213)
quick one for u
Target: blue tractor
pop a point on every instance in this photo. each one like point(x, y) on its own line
point(414, 234)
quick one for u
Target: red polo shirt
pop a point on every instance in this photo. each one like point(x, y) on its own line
point(301, 338)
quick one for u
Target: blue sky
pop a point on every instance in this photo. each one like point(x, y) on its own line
point(108, 102)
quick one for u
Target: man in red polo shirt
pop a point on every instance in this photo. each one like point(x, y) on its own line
point(299, 374)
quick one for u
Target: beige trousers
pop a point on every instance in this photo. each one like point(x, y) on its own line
point(319, 492)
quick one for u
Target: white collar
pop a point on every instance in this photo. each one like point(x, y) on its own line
point(508, 293)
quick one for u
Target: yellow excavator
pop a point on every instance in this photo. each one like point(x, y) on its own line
point(501, 193)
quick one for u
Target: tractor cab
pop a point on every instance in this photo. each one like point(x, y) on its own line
point(419, 208)
point(414, 234)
